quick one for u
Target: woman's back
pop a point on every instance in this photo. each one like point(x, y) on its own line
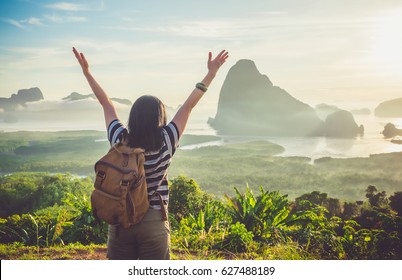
point(156, 162)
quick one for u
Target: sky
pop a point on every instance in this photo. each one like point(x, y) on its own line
point(341, 52)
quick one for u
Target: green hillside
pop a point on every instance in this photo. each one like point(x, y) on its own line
point(236, 201)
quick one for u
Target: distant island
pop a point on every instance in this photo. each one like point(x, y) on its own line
point(389, 109)
point(341, 124)
point(323, 110)
point(20, 98)
point(390, 130)
point(77, 96)
point(362, 111)
point(29, 105)
point(249, 104)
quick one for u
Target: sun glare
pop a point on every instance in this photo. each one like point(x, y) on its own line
point(387, 46)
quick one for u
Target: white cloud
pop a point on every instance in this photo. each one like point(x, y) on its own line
point(64, 6)
point(15, 23)
point(64, 19)
point(33, 21)
point(26, 58)
point(42, 105)
point(88, 104)
point(251, 26)
point(261, 25)
point(222, 29)
point(22, 23)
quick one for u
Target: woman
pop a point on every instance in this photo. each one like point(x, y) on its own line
point(148, 129)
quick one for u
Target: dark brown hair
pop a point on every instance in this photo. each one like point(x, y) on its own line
point(145, 123)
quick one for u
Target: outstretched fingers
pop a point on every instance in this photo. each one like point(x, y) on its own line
point(77, 55)
point(218, 61)
point(81, 59)
point(222, 56)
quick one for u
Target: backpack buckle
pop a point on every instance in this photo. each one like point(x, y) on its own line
point(101, 175)
point(125, 160)
point(125, 183)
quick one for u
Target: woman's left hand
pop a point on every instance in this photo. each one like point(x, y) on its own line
point(217, 62)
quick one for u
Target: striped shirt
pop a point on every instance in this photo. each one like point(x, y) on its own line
point(156, 162)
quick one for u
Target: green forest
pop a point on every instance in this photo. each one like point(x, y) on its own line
point(236, 201)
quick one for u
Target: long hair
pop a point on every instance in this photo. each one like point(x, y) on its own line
point(145, 123)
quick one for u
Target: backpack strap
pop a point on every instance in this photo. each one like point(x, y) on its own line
point(163, 209)
point(138, 183)
point(100, 176)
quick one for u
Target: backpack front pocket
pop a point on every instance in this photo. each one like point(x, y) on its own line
point(107, 207)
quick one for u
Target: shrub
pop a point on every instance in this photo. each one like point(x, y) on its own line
point(186, 197)
point(239, 239)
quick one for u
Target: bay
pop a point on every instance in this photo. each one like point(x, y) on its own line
point(372, 142)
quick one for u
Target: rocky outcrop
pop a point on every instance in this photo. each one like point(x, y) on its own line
point(389, 109)
point(77, 96)
point(390, 130)
point(22, 97)
point(362, 111)
point(122, 101)
point(341, 124)
point(249, 104)
point(323, 110)
point(29, 106)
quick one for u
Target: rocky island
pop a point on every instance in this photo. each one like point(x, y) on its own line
point(250, 104)
point(389, 109)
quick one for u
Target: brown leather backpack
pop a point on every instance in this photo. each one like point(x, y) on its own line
point(120, 196)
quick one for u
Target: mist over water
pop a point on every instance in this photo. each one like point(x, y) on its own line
point(372, 142)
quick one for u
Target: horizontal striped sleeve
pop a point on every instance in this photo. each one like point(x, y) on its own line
point(172, 139)
point(116, 131)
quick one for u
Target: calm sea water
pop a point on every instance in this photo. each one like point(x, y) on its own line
point(373, 141)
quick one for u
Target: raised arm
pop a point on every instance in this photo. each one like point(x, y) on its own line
point(107, 105)
point(182, 115)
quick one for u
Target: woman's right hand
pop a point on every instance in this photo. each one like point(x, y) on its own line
point(107, 105)
point(82, 60)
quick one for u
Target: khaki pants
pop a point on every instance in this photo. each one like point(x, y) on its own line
point(148, 240)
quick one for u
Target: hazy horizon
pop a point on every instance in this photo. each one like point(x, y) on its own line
point(347, 55)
